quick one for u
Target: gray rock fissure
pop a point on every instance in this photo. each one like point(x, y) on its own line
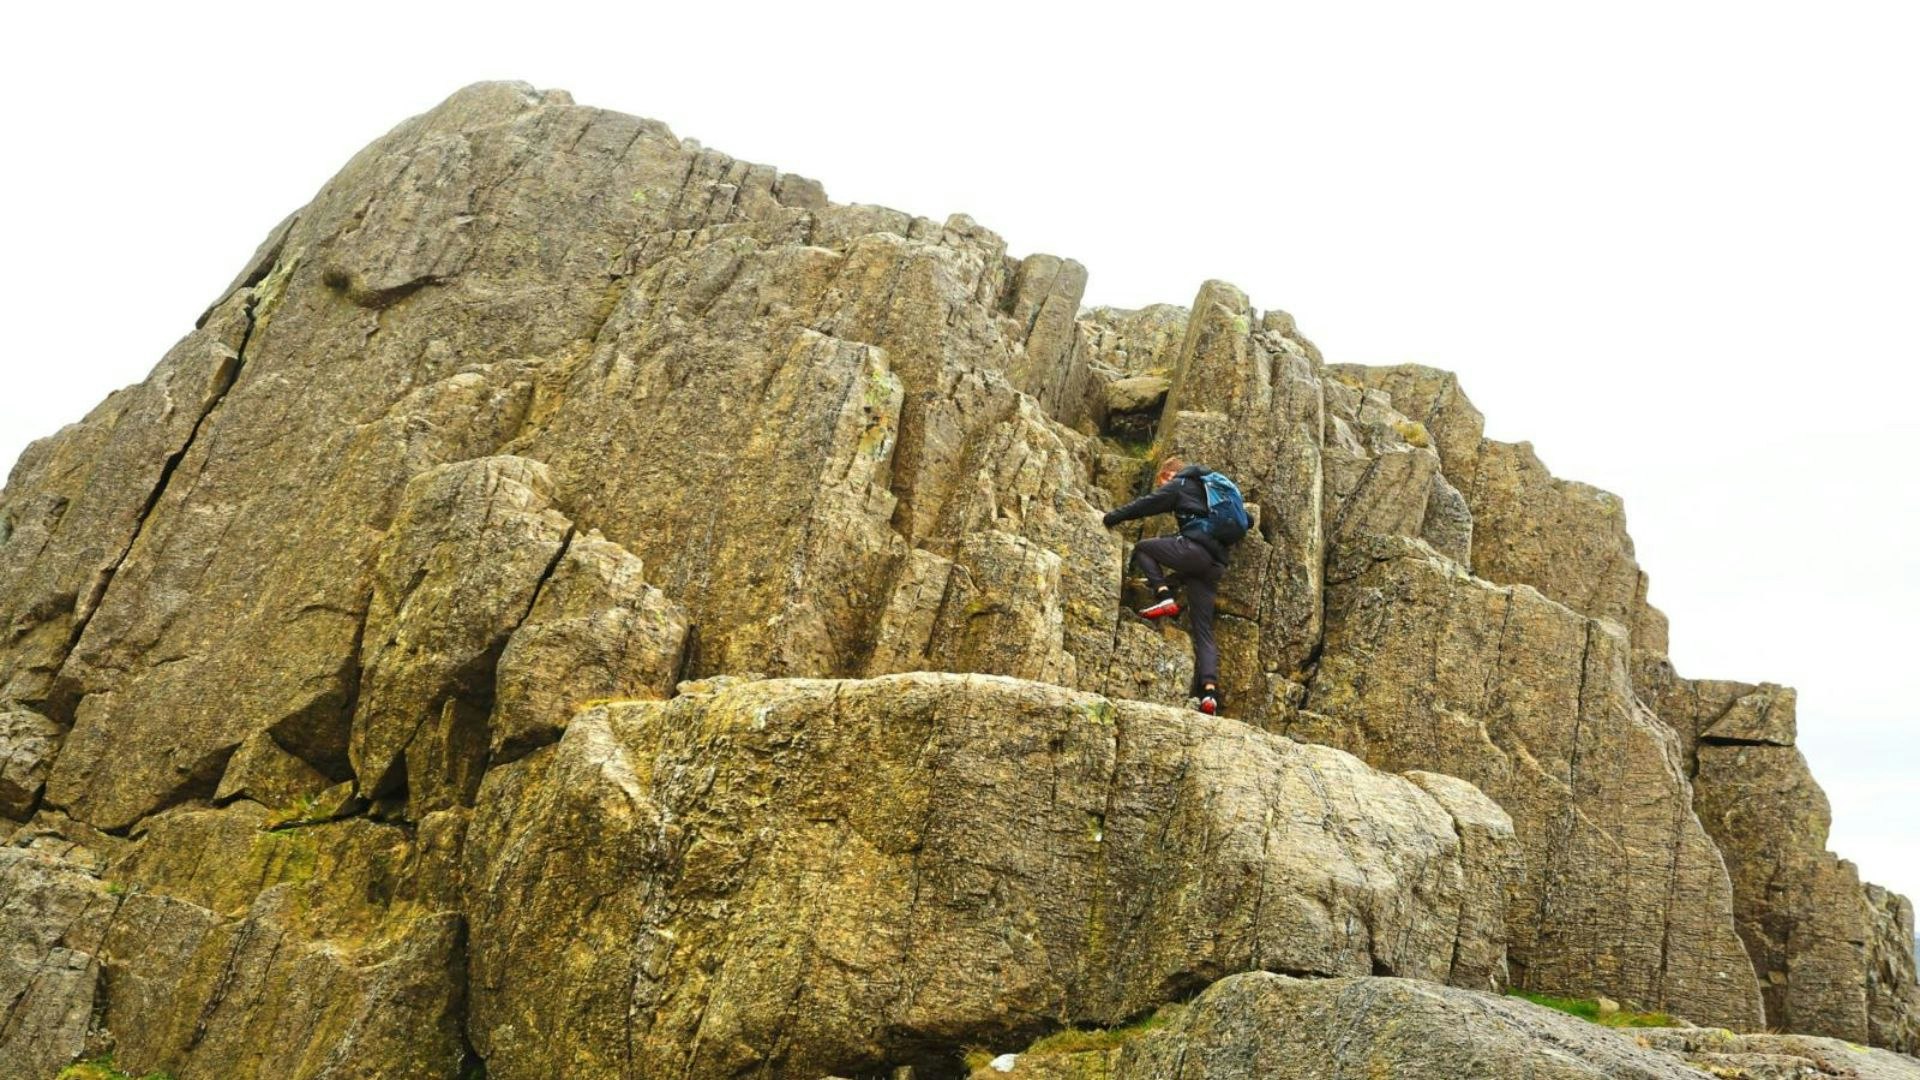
point(585, 605)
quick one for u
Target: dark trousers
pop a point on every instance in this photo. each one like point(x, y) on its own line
point(1201, 575)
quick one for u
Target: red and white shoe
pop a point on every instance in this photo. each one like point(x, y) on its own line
point(1162, 609)
point(1210, 705)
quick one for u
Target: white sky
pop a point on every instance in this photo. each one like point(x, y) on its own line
point(1672, 244)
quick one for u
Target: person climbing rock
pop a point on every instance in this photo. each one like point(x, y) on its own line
point(1212, 518)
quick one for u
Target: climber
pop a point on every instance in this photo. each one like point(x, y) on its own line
point(1212, 518)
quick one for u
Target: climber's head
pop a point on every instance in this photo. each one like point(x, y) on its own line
point(1168, 468)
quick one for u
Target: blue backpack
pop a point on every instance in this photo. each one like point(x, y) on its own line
point(1226, 519)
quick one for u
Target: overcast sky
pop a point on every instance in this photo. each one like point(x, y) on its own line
point(1673, 245)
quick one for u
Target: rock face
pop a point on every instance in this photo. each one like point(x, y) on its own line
point(580, 604)
point(1425, 665)
point(1830, 953)
point(224, 949)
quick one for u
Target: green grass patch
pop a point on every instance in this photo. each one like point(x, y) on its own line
point(1133, 448)
point(1076, 1040)
point(104, 1069)
point(1589, 1010)
point(1087, 1040)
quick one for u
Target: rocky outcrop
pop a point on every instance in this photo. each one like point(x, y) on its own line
point(1893, 993)
point(555, 474)
point(1428, 667)
point(1801, 912)
point(1829, 961)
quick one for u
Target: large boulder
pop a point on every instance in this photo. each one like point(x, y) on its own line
point(1266, 1025)
point(1271, 1026)
point(791, 878)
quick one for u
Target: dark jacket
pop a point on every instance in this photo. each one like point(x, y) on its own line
point(1185, 497)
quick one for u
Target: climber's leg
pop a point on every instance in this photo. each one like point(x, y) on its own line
point(1150, 556)
point(1206, 650)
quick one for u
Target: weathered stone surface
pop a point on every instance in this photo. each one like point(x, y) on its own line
point(1893, 993)
point(597, 631)
point(1382, 477)
point(210, 948)
point(1688, 706)
point(1807, 922)
point(1426, 667)
point(1800, 910)
point(1722, 1053)
point(1492, 854)
point(76, 502)
point(50, 913)
point(460, 569)
point(28, 742)
point(1129, 358)
point(1050, 367)
point(423, 312)
point(1025, 477)
point(1137, 393)
point(1448, 526)
point(1260, 1024)
point(1272, 1026)
point(263, 772)
point(742, 513)
point(1150, 662)
point(884, 870)
point(1568, 540)
point(1766, 715)
point(1143, 342)
point(1433, 399)
point(996, 611)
